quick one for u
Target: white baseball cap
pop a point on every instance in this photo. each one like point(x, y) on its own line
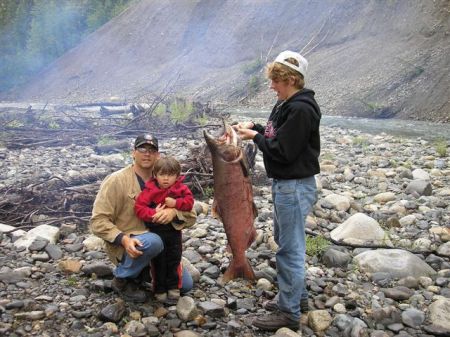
point(302, 63)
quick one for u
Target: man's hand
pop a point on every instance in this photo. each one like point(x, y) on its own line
point(130, 245)
point(170, 202)
point(159, 207)
point(165, 216)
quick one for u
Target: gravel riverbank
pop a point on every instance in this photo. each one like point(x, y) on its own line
point(383, 207)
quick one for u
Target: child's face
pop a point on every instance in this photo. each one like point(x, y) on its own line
point(166, 180)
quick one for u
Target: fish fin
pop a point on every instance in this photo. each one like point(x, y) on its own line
point(235, 270)
point(252, 237)
point(255, 211)
point(244, 164)
point(215, 211)
point(250, 154)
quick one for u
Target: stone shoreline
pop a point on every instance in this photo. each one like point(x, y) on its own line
point(383, 206)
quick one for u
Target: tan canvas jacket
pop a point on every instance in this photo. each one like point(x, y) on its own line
point(113, 211)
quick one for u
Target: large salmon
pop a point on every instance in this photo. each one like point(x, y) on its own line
point(233, 199)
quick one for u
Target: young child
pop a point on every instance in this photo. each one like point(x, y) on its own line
point(165, 190)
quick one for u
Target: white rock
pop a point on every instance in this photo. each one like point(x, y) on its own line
point(440, 312)
point(199, 233)
point(186, 308)
point(444, 249)
point(384, 197)
point(407, 220)
point(339, 308)
point(420, 174)
point(360, 229)
point(195, 273)
point(286, 332)
point(423, 244)
point(93, 242)
point(319, 320)
point(47, 232)
point(339, 202)
point(6, 228)
point(264, 284)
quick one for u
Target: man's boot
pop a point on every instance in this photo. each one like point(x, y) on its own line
point(275, 321)
point(273, 305)
point(119, 284)
point(128, 290)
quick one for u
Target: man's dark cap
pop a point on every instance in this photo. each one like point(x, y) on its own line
point(146, 139)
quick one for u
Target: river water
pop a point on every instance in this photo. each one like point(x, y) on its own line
point(396, 127)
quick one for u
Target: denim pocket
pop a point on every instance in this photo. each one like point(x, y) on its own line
point(284, 192)
point(285, 186)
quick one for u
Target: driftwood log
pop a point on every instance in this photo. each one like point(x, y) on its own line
point(60, 199)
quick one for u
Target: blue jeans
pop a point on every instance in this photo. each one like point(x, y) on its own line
point(152, 245)
point(293, 200)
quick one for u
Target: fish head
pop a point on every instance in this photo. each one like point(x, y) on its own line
point(227, 144)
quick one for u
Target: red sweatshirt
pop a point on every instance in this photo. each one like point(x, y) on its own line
point(152, 195)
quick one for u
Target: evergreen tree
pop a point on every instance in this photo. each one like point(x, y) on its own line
point(33, 33)
point(14, 26)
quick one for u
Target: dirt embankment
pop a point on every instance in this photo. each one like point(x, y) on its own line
point(373, 59)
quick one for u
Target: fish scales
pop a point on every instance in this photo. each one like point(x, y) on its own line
point(233, 199)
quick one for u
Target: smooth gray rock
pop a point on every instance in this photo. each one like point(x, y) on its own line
point(398, 263)
point(101, 269)
point(413, 318)
point(336, 258)
point(113, 312)
point(421, 187)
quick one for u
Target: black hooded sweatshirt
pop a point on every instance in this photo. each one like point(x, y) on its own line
point(290, 142)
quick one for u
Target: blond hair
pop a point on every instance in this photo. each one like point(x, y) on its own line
point(279, 72)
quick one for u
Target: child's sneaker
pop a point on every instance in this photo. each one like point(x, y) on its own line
point(173, 294)
point(161, 297)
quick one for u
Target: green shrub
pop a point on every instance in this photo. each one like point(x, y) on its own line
point(105, 140)
point(15, 124)
point(327, 156)
point(189, 107)
point(440, 145)
point(254, 83)
point(202, 120)
point(208, 192)
point(360, 140)
point(252, 67)
point(160, 110)
point(54, 125)
point(72, 281)
point(179, 111)
point(316, 245)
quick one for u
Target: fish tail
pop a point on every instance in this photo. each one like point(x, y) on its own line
point(239, 270)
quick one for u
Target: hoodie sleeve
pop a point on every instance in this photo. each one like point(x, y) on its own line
point(141, 207)
point(186, 201)
point(292, 134)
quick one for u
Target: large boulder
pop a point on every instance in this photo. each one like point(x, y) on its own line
point(396, 262)
point(360, 229)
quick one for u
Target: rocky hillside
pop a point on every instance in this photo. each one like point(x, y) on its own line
point(367, 58)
